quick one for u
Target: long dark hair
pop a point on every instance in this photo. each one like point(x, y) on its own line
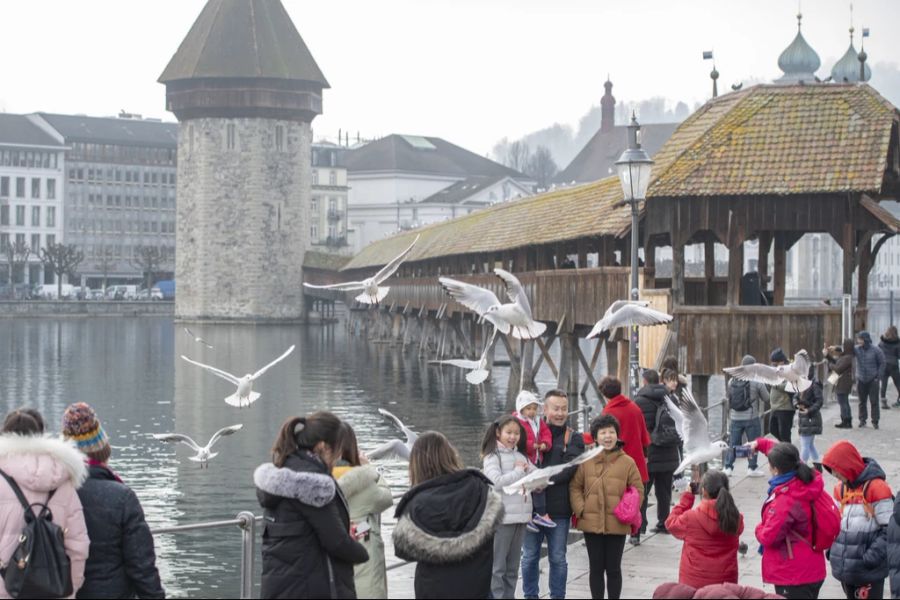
point(848, 347)
point(489, 444)
point(305, 433)
point(24, 421)
point(347, 446)
point(785, 457)
point(716, 485)
point(432, 456)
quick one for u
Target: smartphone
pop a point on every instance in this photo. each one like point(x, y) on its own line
point(695, 487)
point(362, 529)
point(742, 451)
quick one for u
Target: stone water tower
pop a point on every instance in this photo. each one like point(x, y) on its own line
point(245, 90)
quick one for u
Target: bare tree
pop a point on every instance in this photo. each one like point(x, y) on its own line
point(105, 263)
point(61, 259)
point(148, 259)
point(518, 154)
point(17, 254)
point(542, 167)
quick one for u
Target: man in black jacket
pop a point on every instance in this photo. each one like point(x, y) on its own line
point(567, 444)
point(663, 454)
point(122, 562)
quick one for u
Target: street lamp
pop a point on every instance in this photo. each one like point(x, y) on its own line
point(634, 173)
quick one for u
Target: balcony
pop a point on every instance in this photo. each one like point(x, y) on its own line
point(335, 215)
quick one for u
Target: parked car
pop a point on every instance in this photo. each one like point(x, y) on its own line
point(121, 292)
point(48, 291)
point(151, 294)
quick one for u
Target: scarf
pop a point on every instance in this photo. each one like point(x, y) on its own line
point(96, 463)
point(780, 480)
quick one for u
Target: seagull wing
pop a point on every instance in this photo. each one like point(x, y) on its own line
point(259, 373)
point(349, 286)
point(619, 304)
point(801, 363)
point(514, 289)
point(471, 296)
point(694, 424)
point(177, 437)
point(190, 333)
point(391, 268)
point(676, 415)
point(411, 436)
point(388, 449)
point(222, 433)
point(204, 342)
point(218, 372)
point(459, 362)
point(541, 477)
point(633, 314)
point(756, 372)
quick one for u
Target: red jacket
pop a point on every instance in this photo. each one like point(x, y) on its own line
point(544, 437)
point(709, 555)
point(787, 517)
point(632, 430)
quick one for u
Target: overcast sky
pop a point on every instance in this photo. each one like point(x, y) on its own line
point(470, 71)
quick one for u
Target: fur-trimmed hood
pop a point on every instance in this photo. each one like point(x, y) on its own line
point(314, 489)
point(41, 463)
point(430, 530)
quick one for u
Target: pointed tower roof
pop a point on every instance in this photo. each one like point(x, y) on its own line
point(799, 61)
point(237, 38)
point(846, 70)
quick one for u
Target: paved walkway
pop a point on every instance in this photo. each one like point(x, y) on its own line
point(656, 560)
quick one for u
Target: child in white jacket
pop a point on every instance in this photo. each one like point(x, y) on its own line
point(502, 453)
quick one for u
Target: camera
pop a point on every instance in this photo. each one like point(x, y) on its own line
point(742, 451)
point(695, 487)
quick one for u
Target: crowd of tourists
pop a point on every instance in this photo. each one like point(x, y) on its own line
point(70, 527)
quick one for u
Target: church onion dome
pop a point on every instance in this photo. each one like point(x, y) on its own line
point(799, 61)
point(846, 70)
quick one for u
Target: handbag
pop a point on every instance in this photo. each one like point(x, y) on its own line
point(628, 510)
point(833, 379)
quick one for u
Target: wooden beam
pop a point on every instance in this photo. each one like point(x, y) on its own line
point(779, 268)
point(735, 271)
point(545, 355)
point(587, 369)
point(765, 241)
point(848, 243)
point(678, 274)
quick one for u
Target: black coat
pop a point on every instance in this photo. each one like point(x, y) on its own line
point(660, 459)
point(121, 563)
point(810, 422)
point(307, 550)
point(893, 549)
point(557, 495)
point(447, 526)
point(891, 351)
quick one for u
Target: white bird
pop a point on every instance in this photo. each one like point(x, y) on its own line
point(625, 313)
point(478, 370)
point(197, 338)
point(244, 396)
point(795, 373)
point(395, 447)
point(693, 429)
point(513, 317)
point(540, 478)
point(373, 292)
point(204, 454)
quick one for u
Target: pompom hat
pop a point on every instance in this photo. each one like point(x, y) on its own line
point(81, 425)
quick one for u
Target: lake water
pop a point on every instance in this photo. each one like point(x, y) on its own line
point(130, 371)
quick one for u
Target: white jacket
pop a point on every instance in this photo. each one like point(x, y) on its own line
point(500, 468)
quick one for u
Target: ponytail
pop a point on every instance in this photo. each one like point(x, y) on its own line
point(489, 443)
point(305, 433)
point(804, 473)
point(716, 485)
point(785, 457)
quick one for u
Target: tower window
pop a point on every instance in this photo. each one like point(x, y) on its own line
point(279, 138)
point(229, 136)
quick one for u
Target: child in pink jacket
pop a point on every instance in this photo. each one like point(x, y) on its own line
point(538, 440)
point(39, 465)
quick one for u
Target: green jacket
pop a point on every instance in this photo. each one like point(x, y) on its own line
point(779, 399)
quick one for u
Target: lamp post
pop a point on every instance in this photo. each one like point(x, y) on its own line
point(634, 174)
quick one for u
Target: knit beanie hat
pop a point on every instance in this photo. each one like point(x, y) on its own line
point(524, 399)
point(80, 424)
point(778, 355)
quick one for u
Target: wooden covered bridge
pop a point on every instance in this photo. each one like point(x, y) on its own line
point(769, 163)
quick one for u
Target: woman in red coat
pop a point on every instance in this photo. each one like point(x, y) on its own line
point(711, 533)
point(633, 429)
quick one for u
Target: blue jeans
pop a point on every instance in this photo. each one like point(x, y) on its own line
point(557, 539)
point(753, 430)
point(808, 448)
point(844, 403)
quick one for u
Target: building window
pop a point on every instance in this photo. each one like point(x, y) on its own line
point(35, 242)
point(314, 232)
point(4, 215)
point(4, 241)
point(229, 136)
point(4, 187)
point(314, 205)
point(332, 178)
point(51, 216)
point(35, 187)
point(35, 216)
point(51, 239)
point(315, 177)
point(20, 239)
point(20, 215)
point(51, 189)
point(20, 187)
point(279, 138)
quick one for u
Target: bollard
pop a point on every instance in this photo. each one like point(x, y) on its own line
point(248, 551)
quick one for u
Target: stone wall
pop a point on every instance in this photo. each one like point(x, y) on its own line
point(73, 308)
point(242, 219)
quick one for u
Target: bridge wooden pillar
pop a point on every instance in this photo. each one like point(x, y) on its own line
point(677, 273)
point(735, 270)
point(709, 268)
point(862, 289)
point(780, 268)
point(765, 241)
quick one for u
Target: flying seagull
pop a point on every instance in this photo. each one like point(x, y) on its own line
point(244, 396)
point(373, 292)
point(795, 374)
point(540, 478)
point(625, 313)
point(478, 370)
point(197, 338)
point(395, 447)
point(693, 429)
point(204, 454)
point(513, 317)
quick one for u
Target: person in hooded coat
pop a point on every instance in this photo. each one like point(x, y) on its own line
point(446, 522)
point(869, 371)
point(309, 545)
point(859, 555)
point(40, 466)
point(893, 550)
point(890, 348)
point(840, 361)
point(809, 417)
point(122, 560)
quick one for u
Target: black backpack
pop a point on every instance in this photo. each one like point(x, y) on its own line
point(39, 566)
point(664, 433)
point(739, 399)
